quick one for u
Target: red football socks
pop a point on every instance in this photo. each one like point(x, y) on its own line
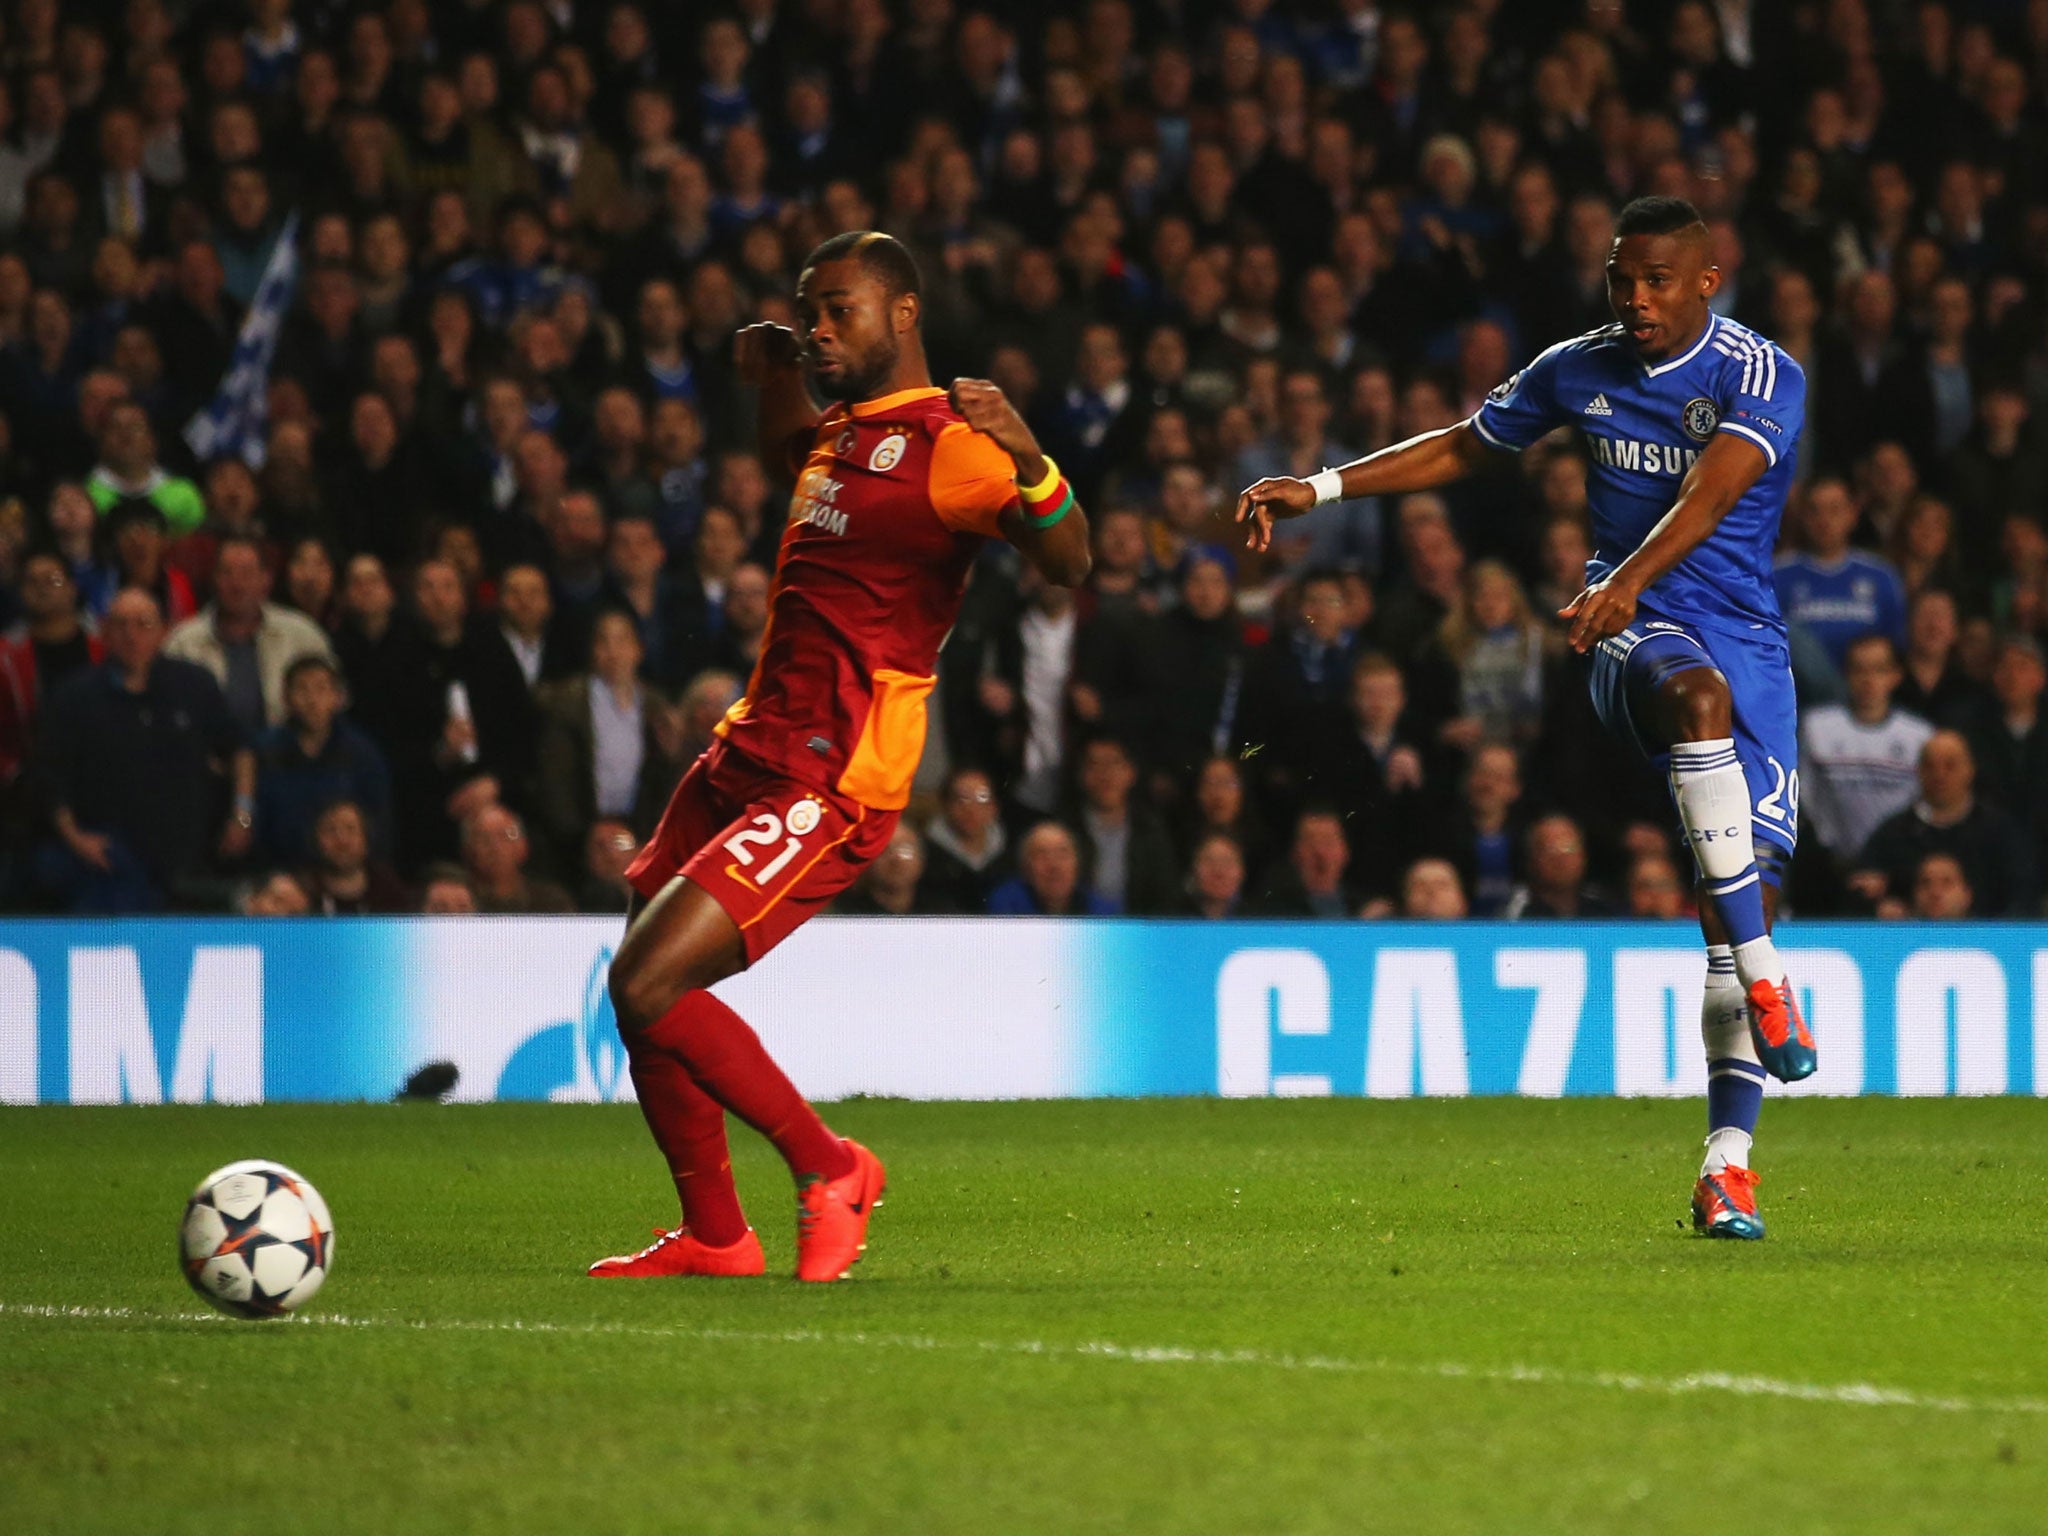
point(689, 1127)
point(727, 1061)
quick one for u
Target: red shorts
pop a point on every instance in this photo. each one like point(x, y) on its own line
point(769, 850)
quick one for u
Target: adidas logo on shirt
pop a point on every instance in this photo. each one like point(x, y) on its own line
point(1599, 407)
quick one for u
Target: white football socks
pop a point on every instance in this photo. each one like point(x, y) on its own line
point(1724, 1031)
point(1712, 796)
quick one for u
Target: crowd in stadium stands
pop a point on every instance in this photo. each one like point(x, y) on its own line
point(506, 556)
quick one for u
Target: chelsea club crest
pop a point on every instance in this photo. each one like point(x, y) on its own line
point(1700, 418)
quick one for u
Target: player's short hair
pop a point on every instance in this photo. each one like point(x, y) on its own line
point(881, 256)
point(1658, 216)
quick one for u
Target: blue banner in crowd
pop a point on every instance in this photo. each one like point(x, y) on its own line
point(233, 422)
point(244, 1011)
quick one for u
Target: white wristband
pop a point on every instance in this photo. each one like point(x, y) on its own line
point(1328, 484)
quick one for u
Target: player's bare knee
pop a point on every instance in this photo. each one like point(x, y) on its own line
point(643, 986)
point(1697, 706)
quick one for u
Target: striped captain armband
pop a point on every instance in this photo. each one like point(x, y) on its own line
point(1049, 500)
point(1047, 489)
point(1066, 505)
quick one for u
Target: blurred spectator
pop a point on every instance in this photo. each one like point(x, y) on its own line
point(1941, 889)
point(1654, 889)
point(1830, 590)
point(447, 891)
point(635, 564)
point(1483, 836)
point(892, 886)
point(1313, 884)
point(134, 536)
point(1127, 855)
point(1995, 856)
point(608, 745)
point(1493, 650)
point(1922, 548)
point(1431, 889)
point(1341, 533)
point(279, 894)
point(525, 612)
point(2011, 743)
point(1566, 547)
point(1296, 689)
point(1371, 770)
point(495, 851)
point(1218, 803)
point(315, 757)
point(459, 709)
point(128, 752)
point(1048, 879)
point(128, 472)
point(967, 853)
point(36, 656)
point(705, 702)
point(1934, 686)
point(1216, 878)
point(1416, 607)
point(1023, 695)
point(1194, 672)
point(1556, 885)
point(609, 849)
point(312, 582)
point(246, 641)
point(343, 880)
point(1999, 469)
point(1858, 762)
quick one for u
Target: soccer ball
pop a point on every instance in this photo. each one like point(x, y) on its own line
point(257, 1240)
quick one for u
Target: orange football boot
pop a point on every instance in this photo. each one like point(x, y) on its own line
point(832, 1217)
point(1779, 1034)
point(1724, 1204)
point(678, 1253)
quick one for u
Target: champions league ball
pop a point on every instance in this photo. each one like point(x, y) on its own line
point(257, 1240)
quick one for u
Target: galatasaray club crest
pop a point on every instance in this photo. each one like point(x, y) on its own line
point(887, 452)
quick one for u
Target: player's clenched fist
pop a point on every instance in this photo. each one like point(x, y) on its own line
point(764, 349)
point(1264, 502)
point(984, 407)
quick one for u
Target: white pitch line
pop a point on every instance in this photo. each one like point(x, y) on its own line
point(1855, 1394)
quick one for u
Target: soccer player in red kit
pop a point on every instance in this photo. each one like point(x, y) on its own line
point(897, 486)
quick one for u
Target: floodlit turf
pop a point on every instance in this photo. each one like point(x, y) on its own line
point(1105, 1317)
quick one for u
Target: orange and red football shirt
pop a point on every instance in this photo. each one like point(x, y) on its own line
point(892, 502)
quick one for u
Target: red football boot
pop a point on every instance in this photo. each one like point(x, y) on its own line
point(832, 1217)
point(678, 1253)
point(1783, 1043)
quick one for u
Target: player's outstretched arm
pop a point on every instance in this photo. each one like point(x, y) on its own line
point(1051, 529)
point(770, 358)
point(1728, 466)
point(1420, 464)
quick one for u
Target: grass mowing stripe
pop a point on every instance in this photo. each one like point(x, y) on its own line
point(1854, 1394)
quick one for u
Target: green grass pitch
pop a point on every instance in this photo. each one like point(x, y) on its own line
point(1280, 1316)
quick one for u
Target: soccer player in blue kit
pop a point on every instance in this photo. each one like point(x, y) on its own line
point(1691, 423)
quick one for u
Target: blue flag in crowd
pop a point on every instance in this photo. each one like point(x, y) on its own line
point(233, 422)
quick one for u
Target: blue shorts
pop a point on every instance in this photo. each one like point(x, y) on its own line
point(1629, 667)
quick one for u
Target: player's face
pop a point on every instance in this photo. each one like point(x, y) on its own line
point(1658, 287)
point(849, 327)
